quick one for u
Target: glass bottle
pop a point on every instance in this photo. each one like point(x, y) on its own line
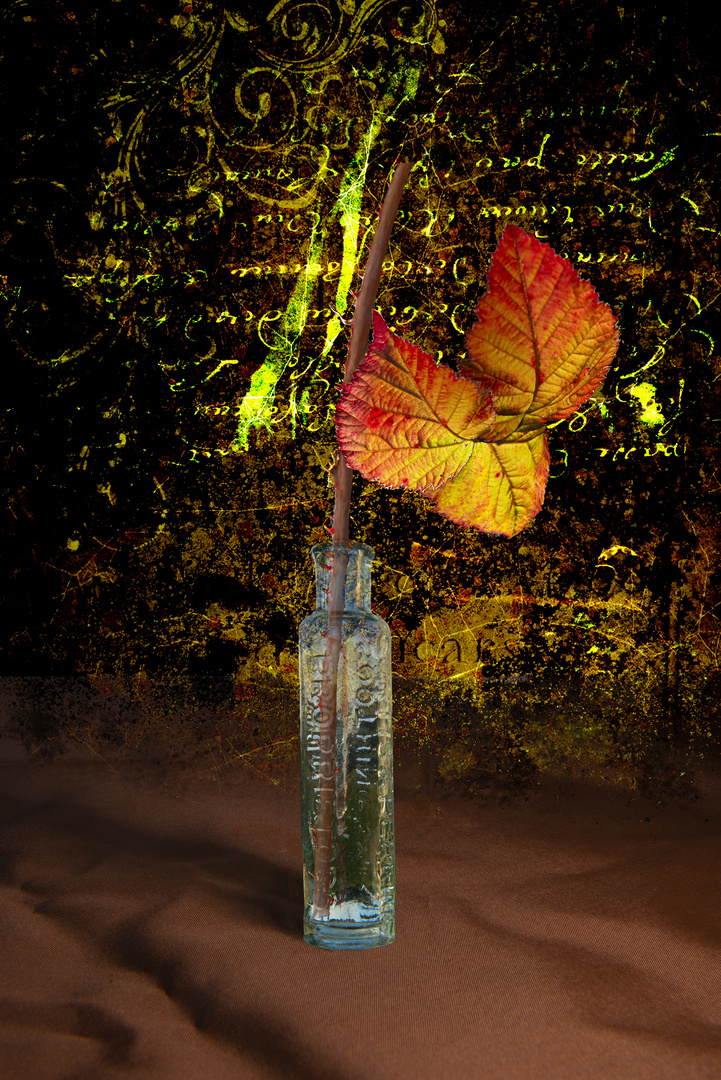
point(361, 912)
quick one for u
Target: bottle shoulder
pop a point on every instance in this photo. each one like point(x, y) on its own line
point(360, 617)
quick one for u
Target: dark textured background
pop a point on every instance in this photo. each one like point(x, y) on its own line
point(176, 191)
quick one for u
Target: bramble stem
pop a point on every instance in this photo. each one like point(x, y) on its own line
point(343, 476)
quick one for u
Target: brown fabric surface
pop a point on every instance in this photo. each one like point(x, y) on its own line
point(151, 928)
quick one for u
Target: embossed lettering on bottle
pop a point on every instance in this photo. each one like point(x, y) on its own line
point(362, 911)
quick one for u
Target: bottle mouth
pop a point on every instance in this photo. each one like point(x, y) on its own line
point(342, 547)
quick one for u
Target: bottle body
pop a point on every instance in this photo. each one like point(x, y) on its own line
point(361, 911)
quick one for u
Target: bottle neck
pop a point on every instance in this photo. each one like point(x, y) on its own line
point(358, 574)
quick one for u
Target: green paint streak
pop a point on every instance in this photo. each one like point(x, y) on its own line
point(713, 344)
point(646, 394)
point(257, 409)
point(351, 196)
point(668, 156)
point(349, 206)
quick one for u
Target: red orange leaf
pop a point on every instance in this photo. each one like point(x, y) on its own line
point(501, 487)
point(476, 446)
point(543, 341)
point(404, 420)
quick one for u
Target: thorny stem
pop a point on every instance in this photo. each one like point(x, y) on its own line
point(343, 476)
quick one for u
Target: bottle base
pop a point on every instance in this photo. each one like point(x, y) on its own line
point(333, 934)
